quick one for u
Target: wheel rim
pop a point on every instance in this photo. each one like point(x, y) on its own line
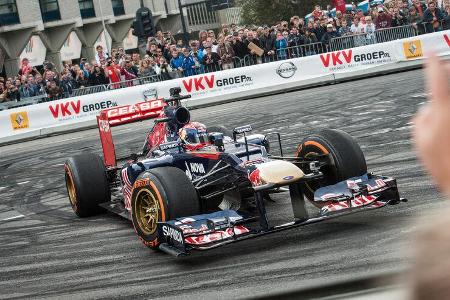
point(147, 211)
point(70, 185)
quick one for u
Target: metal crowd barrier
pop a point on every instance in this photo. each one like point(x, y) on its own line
point(430, 27)
point(380, 36)
point(395, 33)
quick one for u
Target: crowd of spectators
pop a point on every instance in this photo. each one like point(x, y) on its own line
point(168, 58)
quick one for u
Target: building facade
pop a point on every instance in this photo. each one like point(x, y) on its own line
point(61, 30)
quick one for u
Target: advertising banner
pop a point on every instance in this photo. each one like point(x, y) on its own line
point(35, 51)
point(71, 48)
point(229, 84)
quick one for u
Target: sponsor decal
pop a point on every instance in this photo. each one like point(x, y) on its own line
point(150, 94)
point(205, 83)
point(74, 109)
point(217, 235)
point(288, 177)
point(413, 49)
point(345, 59)
point(103, 125)
point(131, 109)
point(197, 168)
point(19, 120)
point(242, 129)
point(447, 39)
point(172, 233)
point(141, 183)
point(168, 146)
point(286, 70)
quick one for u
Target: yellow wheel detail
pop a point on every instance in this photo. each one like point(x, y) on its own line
point(71, 188)
point(147, 211)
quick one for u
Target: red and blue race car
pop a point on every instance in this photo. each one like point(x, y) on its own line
point(194, 187)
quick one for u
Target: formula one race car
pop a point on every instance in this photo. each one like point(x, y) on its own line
point(194, 187)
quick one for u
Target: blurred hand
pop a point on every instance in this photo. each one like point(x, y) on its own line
point(431, 132)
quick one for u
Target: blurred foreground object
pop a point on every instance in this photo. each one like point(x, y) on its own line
point(431, 131)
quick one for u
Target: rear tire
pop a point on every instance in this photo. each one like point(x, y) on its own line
point(159, 195)
point(86, 183)
point(347, 158)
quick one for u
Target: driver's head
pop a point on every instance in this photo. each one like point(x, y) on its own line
point(194, 134)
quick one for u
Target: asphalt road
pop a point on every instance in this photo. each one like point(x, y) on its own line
point(47, 252)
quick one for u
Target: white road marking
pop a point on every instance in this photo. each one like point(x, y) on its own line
point(23, 182)
point(2, 188)
point(13, 218)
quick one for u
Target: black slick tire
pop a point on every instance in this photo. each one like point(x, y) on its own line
point(87, 184)
point(159, 195)
point(347, 158)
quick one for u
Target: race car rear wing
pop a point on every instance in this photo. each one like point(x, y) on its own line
point(121, 115)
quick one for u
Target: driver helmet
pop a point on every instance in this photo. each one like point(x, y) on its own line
point(194, 134)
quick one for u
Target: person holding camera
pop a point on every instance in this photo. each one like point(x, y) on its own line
point(226, 53)
point(211, 60)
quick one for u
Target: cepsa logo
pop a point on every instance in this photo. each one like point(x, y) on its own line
point(74, 108)
point(206, 82)
point(346, 58)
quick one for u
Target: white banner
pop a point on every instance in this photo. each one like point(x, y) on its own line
point(230, 84)
point(130, 41)
point(35, 51)
point(71, 48)
point(104, 40)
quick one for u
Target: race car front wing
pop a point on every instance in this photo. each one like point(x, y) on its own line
point(207, 231)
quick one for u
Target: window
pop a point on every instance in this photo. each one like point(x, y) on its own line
point(49, 10)
point(8, 12)
point(86, 9)
point(118, 8)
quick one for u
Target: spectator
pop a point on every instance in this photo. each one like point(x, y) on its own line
point(420, 7)
point(97, 76)
point(67, 84)
point(131, 68)
point(398, 18)
point(188, 64)
point(54, 91)
point(369, 30)
point(384, 20)
point(211, 61)
point(356, 27)
point(81, 80)
point(177, 62)
point(267, 42)
point(26, 91)
point(3, 93)
point(145, 69)
point(165, 70)
point(25, 67)
point(413, 17)
point(100, 54)
point(344, 30)
point(330, 34)
point(239, 48)
point(317, 13)
point(281, 45)
point(113, 74)
point(226, 52)
point(432, 17)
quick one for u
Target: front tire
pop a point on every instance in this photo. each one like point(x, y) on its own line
point(159, 195)
point(87, 184)
point(347, 158)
